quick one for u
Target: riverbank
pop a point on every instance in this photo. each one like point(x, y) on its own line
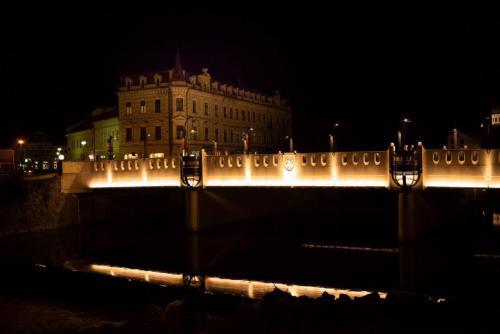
point(36, 299)
point(35, 205)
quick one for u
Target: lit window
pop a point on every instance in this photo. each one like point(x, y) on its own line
point(180, 132)
point(179, 104)
point(128, 108)
point(143, 107)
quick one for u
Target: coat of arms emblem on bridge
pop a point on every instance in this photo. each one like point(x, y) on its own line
point(289, 162)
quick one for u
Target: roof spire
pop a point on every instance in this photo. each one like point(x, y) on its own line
point(179, 73)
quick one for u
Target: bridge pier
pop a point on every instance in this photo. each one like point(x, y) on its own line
point(192, 210)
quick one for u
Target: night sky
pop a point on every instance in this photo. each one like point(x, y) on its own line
point(365, 66)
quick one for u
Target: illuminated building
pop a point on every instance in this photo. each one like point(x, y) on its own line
point(156, 109)
point(91, 136)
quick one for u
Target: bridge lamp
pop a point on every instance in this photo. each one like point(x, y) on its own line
point(290, 142)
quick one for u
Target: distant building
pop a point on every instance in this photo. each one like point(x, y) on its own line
point(37, 153)
point(491, 129)
point(458, 139)
point(7, 162)
point(89, 139)
point(156, 109)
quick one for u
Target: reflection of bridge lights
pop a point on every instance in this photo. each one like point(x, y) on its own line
point(247, 288)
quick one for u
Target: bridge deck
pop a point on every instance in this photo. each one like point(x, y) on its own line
point(440, 168)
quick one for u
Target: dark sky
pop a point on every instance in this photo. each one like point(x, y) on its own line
point(364, 65)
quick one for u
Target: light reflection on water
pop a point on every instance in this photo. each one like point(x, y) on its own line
point(246, 288)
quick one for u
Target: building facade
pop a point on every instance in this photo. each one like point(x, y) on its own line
point(170, 111)
point(90, 138)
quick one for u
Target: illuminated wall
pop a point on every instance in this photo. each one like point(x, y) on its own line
point(461, 168)
point(440, 168)
point(341, 169)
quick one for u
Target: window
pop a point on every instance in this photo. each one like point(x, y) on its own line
point(248, 114)
point(157, 106)
point(225, 135)
point(128, 134)
point(253, 116)
point(216, 134)
point(158, 133)
point(237, 114)
point(206, 133)
point(194, 106)
point(231, 113)
point(143, 107)
point(216, 110)
point(225, 112)
point(206, 109)
point(180, 132)
point(128, 84)
point(142, 83)
point(194, 133)
point(264, 118)
point(128, 108)
point(179, 104)
point(232, 139)
point(243, 115)
point(157, 82)
point(143, 134)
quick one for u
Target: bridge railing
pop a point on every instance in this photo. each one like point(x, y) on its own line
point(368, 168)
point(465, 168)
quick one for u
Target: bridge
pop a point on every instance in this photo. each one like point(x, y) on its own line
point(228, 188)
point(418, 169)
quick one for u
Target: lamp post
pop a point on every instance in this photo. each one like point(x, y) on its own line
point(110, 147)
point(215, 147)
point(246, 139)
point(20, 142)
point(404, 122)
point(185, 151)
point(290, 142)
point(144, 152)
point(84, 143)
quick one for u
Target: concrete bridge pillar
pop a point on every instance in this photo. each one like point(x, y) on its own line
point(192, 210)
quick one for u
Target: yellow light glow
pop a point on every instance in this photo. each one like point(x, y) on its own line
point(173, 182)
point(136, 274)
point(247, 288)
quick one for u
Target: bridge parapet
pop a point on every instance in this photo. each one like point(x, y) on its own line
point(319, 169)
point(461, 168)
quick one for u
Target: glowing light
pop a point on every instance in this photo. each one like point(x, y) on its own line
point(174, 182)
point(61, 157)
point(251, 289)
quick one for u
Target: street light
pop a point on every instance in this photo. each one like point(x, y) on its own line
point(110, 147)
point(215, 147)
point(290, 142)
point(83, 143)
point(145, 153)
point(20, 142)
point(246, 139)
point(402, 136)
point(185, 149)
